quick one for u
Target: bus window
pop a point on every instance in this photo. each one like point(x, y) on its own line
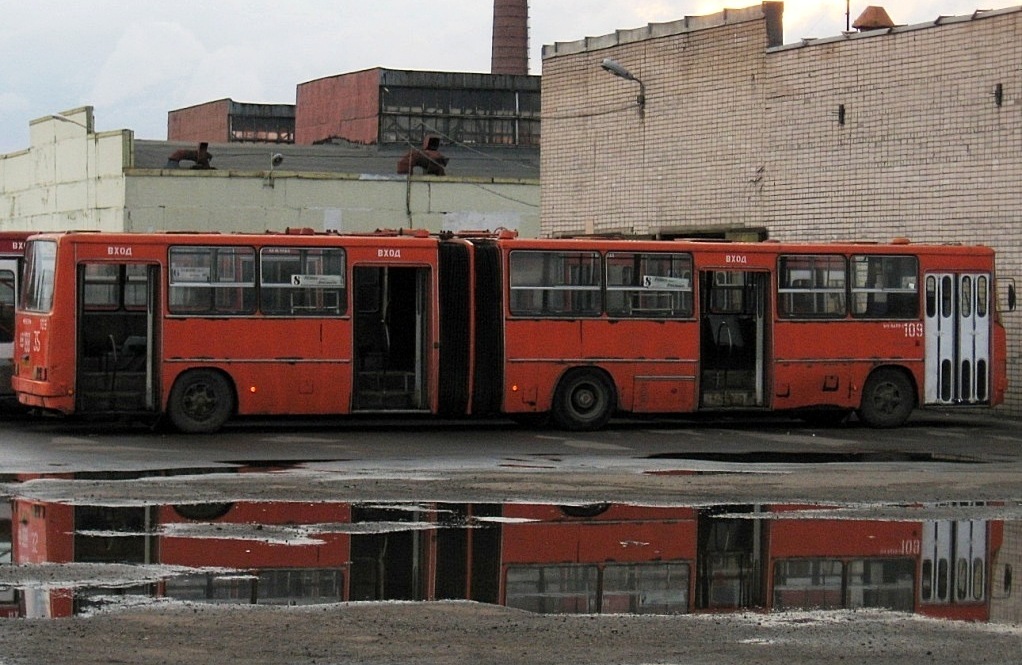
point(555, 283)
point(645, 588)
point(553, 589)
point(931, 296)
point(981, 296)
point(107, 288)
point(804, 583)
point(965, 309)
point(102, 286)
point(811, 287)
point(885, 287)
point(649, 285)
point(727, 294)
point(136, 291)
point(305, 281)
point(886, 583)
point(212, 280)
point(40, 264)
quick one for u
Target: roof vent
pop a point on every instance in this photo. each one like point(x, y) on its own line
point(428, 158)
point(201, 157)
point(874, 18)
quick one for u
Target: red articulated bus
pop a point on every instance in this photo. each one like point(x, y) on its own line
point(12, 249)
point(604, 558)
point(202, 327)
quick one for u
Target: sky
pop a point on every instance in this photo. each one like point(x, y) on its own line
point(135, 60)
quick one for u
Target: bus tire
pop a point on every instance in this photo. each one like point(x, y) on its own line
point(201, 401)
point(887, 399)
point(584, 400)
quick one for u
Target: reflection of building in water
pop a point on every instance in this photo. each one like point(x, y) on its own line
point(1005, 606)
point(601, 558)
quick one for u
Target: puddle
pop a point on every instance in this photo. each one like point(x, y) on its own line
point(947, 561)
point(814, 457)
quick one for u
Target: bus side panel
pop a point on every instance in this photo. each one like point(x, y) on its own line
point(329, 550)
point(293, 366)
point(801, 537)
point(541, 536)
point(653, 363)
point(597, 542)
point(827, 363)
point(537, 352)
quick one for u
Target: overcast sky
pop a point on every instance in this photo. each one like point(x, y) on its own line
point(135, 60)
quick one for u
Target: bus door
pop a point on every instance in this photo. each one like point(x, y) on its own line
point(957, 333)
point(733, 318)
point(954, 562)
point(391, 338)
point(8, 292)
point(118, 320)
point(728, 562)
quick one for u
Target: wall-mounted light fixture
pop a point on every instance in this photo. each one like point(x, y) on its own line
point(276, 159)
point(999, 94)
point(615, 68)
point(840, 114)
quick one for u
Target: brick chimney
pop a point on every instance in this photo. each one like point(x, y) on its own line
point(510, 37)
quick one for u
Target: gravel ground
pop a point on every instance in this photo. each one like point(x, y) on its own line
point(154, 632)
point(463, 632)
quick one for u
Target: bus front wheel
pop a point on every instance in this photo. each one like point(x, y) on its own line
point(200, 402)
point(584, 400)
point(887, 399)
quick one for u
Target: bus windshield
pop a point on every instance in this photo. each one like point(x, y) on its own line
point(40, 262)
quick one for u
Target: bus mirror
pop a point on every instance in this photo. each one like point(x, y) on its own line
point(1011, 297)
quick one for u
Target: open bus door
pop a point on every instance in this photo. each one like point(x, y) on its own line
point(391, 338)
point(8, 292)
point(733, 324)
point(118, 316)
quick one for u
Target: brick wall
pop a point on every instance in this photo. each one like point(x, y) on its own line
point(346, 106)
point(739, 135)
point(1005, 599)
point(204, 122)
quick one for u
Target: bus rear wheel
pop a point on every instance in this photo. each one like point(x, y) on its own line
point(887, 399)
point(584, 400)
point(201, 401)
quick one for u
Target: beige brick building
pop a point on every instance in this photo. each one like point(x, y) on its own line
point(912, 131)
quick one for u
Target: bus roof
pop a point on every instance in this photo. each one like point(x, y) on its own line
point(505, 238)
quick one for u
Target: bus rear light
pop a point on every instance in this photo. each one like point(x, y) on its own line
point(514, 388)
point(252, 389)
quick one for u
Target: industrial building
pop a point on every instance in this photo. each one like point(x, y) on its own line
point(378, 106)
point(358, 151)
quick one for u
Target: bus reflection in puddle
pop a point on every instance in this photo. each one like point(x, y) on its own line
point(599, 558)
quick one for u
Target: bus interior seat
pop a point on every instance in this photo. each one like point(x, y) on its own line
point(130, 357)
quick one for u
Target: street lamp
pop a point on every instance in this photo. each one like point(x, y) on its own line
point(615, 68)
